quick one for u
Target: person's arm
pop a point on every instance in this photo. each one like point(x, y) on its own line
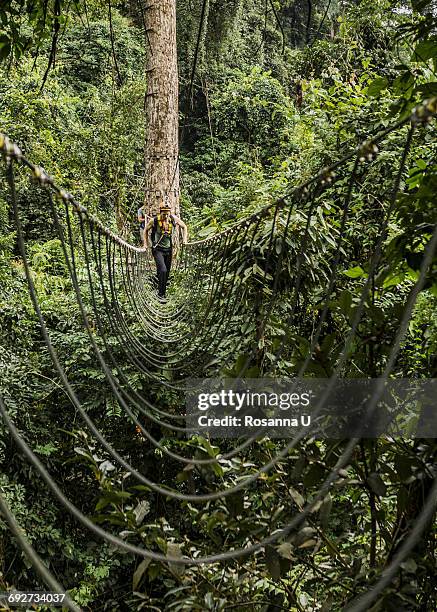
point(141, 216)
point(146, 234)
point(183, 228)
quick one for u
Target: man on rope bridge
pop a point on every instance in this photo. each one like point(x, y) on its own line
point(162, 230)
point(142, 222)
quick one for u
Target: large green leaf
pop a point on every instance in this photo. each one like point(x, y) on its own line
point(425, 50)
point(376, 86)
point(355, 272)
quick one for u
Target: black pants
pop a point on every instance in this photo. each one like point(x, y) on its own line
point(163, 266)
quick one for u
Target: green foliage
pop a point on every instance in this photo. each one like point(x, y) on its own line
point(249, 139)
point(254, 109)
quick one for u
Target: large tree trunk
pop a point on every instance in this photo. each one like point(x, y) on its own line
point(161, 105)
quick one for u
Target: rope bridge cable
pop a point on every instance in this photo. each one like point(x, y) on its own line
point(173, 364)
point(117, 284)
point(73, 397)
point(32, 555)
point(97, 314)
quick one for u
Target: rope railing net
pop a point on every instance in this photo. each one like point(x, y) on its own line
point(227, 286)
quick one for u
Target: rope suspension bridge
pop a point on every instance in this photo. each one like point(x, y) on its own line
point(225, 286)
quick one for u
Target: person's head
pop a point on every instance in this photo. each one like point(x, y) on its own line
point(164, 211)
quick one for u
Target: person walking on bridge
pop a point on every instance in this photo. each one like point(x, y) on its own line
point(142, 222)
point(162, 229)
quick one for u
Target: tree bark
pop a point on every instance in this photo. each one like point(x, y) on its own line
point(161, 107)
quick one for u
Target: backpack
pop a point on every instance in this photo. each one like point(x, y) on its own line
point(155, 228)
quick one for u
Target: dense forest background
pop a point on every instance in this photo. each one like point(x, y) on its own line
point(277, 90)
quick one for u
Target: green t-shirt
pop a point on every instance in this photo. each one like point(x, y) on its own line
point(166, 241)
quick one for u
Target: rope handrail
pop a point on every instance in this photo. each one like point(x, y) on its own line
point(366, 149)
point(124, 286)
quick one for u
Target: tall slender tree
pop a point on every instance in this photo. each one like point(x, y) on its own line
point(161, 106)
